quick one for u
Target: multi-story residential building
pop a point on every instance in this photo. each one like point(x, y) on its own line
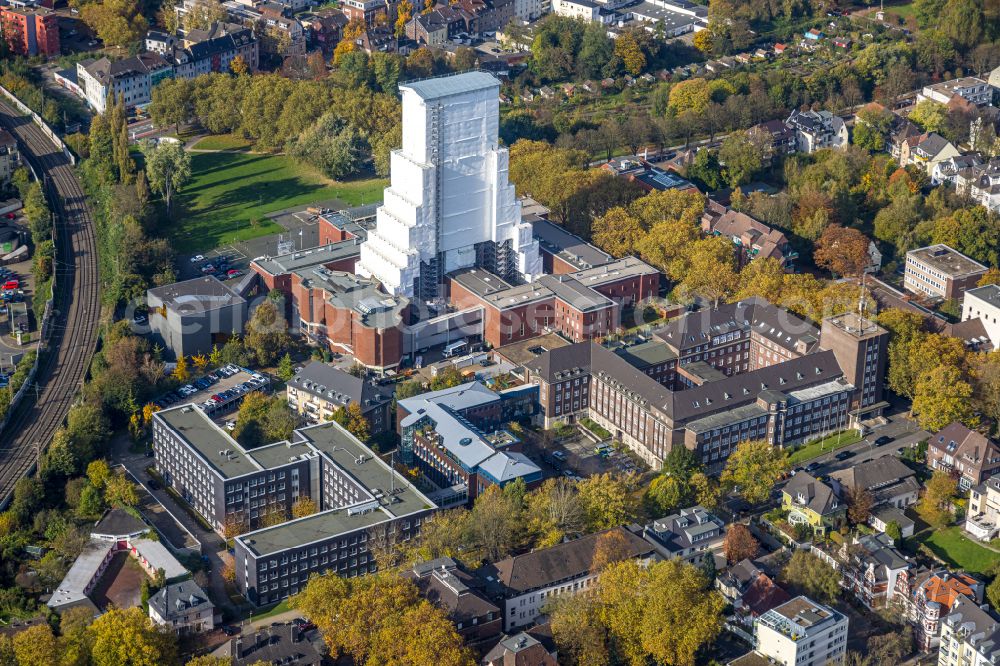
point(10, 157)
point(983, 518)
point(447, 585)
point(183, 607)
point(449, 205)
point(747, 370)
point(132, 79)
point(941, 272)
point(522, 648)
point(888, 480)
point(927, 151)
point(524, 584)
point(582, 306)
point(869, 567)
point(456, 437)
point(363, 503)
point(815, 130)
point(956, 171)
point(752, 239)
point(811, 502)
point(971, 456)
point(318, 390)
point(926, 597)
point(970, 636)
point(193, 316)
point(784, 140)
point(584, 10)
point(276, 644)
point(751, 591)
point(801, 632)
point(213, 50)
point(970, 88)
point(365, 10)
point(691, 534)
point(30, 31)
point(983, 303)
point(439, 25)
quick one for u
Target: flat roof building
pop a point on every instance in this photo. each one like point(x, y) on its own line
point(191, 317)
point(939, 271)
point(802, 632)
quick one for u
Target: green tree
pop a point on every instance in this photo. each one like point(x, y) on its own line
point(172, 103)
point(935, 506)
point(930, 115)
point(36, 645)
point(942, 396)
point(596, 51)
point(871, 128)
point(116, 22)
point(812, 576)
point(168, 168)
point(753, 468)
point(286, 369)
point(744, 153)
point(128, 637)
point(608, 500)
point(894, 532)
point(267, 334)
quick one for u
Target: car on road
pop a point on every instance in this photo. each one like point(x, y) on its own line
point(882, 441)
point(813, 466)
point(230, 630)
point(153, 485)
point(844, 455)
point(196, 258)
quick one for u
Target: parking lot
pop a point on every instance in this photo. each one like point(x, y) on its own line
point(577, 455)
point(219, 392)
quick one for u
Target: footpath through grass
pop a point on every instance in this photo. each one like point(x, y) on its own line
point(957, 549)
point(821, 446)
point(228, 190)
point(222, 142)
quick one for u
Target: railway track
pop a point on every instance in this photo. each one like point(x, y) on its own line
point(73, 336)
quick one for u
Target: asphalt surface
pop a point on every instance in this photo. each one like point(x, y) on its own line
point(64, 362)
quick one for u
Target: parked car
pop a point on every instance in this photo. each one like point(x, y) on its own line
point(812, 467)
point(883, 440)
point(844, 455)
point(153, 485)
point(196, 258)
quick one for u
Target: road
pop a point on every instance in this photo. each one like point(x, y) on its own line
point(903, 431)
point(73, 336)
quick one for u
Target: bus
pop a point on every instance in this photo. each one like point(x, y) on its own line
point(456, 349)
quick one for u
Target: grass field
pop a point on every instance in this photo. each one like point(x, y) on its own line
point(821, 446)
point(228, 190)
point(956, 549)
point(222, 142)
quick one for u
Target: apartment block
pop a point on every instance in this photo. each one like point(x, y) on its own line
point(815, 130)
point(691, 534)
point(30, 30)
point(939, 271)
point(969, 88)
point(970, 636)
point(927, 597)
point(802, 632)
point(362, 501)
point(983, 518)
point(132, 79)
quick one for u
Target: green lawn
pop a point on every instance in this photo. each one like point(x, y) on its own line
point(905, 10)
point(228, 190)
point(821, 446)
point(276, 610)
point(222, 142)
point(956, 549)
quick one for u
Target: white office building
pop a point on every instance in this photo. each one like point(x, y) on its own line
point(802, 632)
point(449, 205)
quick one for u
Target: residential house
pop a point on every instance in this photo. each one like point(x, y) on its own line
point(447, 585)
point(784, 140)
point(941, 272)
point(691, 535)
point(970, 456)
point(957, 171)
point(183, 608)
point(815, 130)
point(523, 584)
point(888, 479)
point(799, 632)
point(881, 517)
point(751, 591)
point(520, 649)
point(869, 567)
point(809, 501)
point(752, 239)
point(318, 390)
point(969, 88)
point(983, 517)
point(982, 184)
point(970, 636)
point(901, 133)
point(813, 34)
point(282, 644)
point(927, 150)
point(439, 25)
point(926, 597)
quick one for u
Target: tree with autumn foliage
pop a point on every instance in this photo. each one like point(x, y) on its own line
point(628, 49)
point(303, 506)
point(129, 636)
point(404, 12)
point(739, 543)
point(380, 619)
point(843, 251)
point(753, 469)
point(611, 547)
point(859, 505)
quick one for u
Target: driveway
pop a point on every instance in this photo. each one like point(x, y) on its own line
point(212, 545)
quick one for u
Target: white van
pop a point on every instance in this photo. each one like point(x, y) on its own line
point(456, 349)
